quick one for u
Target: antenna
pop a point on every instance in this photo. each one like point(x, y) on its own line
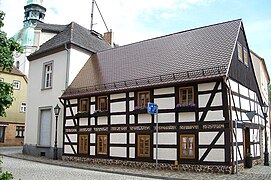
point(92, 10)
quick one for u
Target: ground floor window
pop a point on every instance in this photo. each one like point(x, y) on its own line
point(143, 145)
point(2, 133)
point(102, 143)
point(83, 144)
point(187, 143)
point(19, 131)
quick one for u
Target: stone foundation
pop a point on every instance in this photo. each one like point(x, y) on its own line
point(147, 165)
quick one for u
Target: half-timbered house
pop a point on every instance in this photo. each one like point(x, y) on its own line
point(202, 81)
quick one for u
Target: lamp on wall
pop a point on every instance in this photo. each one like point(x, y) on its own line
point(266, 154)
point(57, 111)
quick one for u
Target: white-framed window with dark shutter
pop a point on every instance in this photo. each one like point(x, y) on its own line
point(16, 84)
point(23, 107)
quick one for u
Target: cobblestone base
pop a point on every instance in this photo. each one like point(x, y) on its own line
point(147, 165)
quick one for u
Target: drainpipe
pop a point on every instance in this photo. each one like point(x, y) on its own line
point(67, 66)
point(231, 125)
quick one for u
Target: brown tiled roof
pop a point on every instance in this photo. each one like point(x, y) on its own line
point(14, 71)
point(193, 54)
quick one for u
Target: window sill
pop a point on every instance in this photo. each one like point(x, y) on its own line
point(82, 114)
point(140, 111)
point(185, 108)
point(101, 113)
point(46, 88)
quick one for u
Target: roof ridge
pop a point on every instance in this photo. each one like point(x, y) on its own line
point(171, 34)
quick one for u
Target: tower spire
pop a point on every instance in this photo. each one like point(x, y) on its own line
point(33, 12)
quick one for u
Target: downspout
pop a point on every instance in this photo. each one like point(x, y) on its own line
point(231, 126)
point(67, 67)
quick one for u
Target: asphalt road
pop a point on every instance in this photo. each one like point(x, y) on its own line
point(28, 170)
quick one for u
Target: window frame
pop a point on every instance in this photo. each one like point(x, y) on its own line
point(182, 156)
point(23, 107)
point(20, 131)
point(81, 105)
point(245, 57)
point(142, 154)
point(18, 84)
point(146, 100)
point(100, 105)
point(240, 52)
point(44, 79)
point(187, 95)
point(83, 148)
point(103, 144)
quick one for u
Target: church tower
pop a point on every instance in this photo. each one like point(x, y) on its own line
point(34, 13)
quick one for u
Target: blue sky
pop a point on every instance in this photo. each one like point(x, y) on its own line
point(133, 21)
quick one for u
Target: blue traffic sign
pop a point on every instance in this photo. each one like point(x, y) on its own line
point(152, 108)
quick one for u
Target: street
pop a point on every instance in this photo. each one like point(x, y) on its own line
point(28, 170)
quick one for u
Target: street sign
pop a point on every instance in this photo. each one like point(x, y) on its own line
point(152, 108)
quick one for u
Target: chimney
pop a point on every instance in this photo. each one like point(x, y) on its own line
point(108, 37)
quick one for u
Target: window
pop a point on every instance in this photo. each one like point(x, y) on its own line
point(143, 145)
point(245, 57)
point(2, 134)
point(83, 144)
point(102, 144)
point(240, 52)
point(84, 105)
point(48, 73)
point(143, 99)
point(19, 131)
point(187, 143)
point(16, 84)
point(23, 107)
point(187, 96)
point(1, 79)
point(17, 64)
point(102, 103)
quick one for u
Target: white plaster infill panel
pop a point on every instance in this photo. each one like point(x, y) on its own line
point(144, 118)
point(118, 119)
point(72, 137)
point(204, 98)
point(91, 150)
point(215, 155)
point(132, 119)
point(102, 120)
point(162, 91)
point(83, 121)
point(243, 90)
point(92, 138)
point(169, 138)
point(118, 107)
point(131, 152)
point(233, 85)
point(69, 122)
point(117, 96)
point(213, 115)
point(166, 118)
point(165, 103)
point(131, 105)
point(92, 109)
point(165, 154)
point(68, 111)
point(92, 121)
point(187, 117)
point(118, 138)
point(132, 138)
point(118, 151)
point(206, 138)
point(68, 149)
point(207, 86)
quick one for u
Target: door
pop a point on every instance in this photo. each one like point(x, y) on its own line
point(247, 152)
point(45, 127)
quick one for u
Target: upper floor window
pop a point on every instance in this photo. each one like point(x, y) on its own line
point(103, 103)
point(245, 57)
point(84, 105)
point(102, 144)
point(187, 143)
point(19, 131)
point(17, 64)
point(16, 84)
point(48, 75)
point(143, 99)
point(143, 145)
point(23, 107)
point(240, 52)
point(187, 96)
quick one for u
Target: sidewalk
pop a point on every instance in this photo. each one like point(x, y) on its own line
point(259, 172)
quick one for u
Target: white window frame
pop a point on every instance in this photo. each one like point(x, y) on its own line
point(240, 50)
point(245, 57)
point(47, 75)
point(23, 107)
point(16, 84)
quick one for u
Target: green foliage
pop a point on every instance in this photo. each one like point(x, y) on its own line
point(7, 47)
point(5, 175)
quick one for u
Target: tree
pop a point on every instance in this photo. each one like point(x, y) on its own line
point(7, 47)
